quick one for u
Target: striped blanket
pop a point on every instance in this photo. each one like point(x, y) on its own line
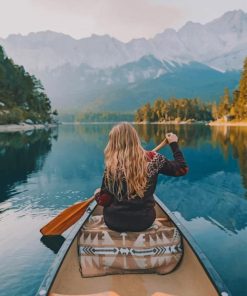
point(103, 251)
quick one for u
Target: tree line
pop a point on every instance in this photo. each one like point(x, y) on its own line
point(183, 109)
point(22, 95)
point(234, 107)
point(174, 109)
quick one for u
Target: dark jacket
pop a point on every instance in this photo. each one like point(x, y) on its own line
point(138, 214)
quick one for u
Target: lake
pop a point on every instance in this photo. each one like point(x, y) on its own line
point(43, 172)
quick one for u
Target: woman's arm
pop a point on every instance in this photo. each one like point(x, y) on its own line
point(102, 196)
point(176, 167)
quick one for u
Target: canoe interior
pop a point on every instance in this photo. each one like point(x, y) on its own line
point(189, 278)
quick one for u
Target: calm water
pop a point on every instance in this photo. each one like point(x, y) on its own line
point(43, 172)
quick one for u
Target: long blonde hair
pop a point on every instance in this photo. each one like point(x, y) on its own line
point(125, 162)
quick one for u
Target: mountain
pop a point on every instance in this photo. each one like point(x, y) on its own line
point(221, 43)
point(100, 71)
point(129, 86)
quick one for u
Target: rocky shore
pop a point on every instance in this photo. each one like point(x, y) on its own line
point(23, 127)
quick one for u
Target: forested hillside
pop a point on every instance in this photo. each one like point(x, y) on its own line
point(229, 107)
point(235, 106)
point(174, 109)
point(22, 96)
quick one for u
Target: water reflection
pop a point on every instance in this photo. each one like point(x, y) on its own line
point(212, 189)
point(53, 242)
point(189, 136)
point(20, 155)
point(42, 181)
point(233, 140)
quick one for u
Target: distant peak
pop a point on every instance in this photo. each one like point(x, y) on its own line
point(191, 26)
point(48, 33)
point(101, 36)
point(235, 12)
point(11, 36)
point(229, 16)
point(142, 39)
point(167, 31)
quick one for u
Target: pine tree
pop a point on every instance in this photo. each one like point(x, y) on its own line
point(242, 100)
point(172, 109)
point(21, 94)
point(147, 112)
point(157, 109)
point(225, 104)
point(234, 106)
point(139, 115)
point(214, 111)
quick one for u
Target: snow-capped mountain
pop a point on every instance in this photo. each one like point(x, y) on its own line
point(133, 84)
point(221, 43)
point(103, 73)
point(231, 28)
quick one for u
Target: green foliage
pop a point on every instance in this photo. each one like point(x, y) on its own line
point(185, 109)
point(174, 110)
point(21, 94)
point(241, 95)
point(237, 108)
point(215, 112)
point(225, 104)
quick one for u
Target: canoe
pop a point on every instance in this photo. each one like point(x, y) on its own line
point(195, 276)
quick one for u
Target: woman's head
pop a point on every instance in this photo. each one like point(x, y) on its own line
point(125, 162)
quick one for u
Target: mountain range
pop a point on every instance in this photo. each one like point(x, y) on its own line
point(103, 73)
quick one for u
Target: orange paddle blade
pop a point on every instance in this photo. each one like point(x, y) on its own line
point(66, 218)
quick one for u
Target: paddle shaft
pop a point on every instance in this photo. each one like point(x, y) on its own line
point(161, 145)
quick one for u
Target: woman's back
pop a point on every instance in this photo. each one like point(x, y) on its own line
point(126, 212)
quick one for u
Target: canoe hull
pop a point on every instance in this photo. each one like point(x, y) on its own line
point(194, 276)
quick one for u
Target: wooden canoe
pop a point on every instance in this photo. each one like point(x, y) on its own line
point(195, 276)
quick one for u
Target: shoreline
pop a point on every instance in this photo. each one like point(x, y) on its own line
point(23, 127)
point(171, 122)
point(134, 122)
point(215, 123)
point(27, 127)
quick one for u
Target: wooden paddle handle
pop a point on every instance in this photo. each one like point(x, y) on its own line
point(161, 145)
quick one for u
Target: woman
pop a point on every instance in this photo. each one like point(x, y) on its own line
point(130, 178)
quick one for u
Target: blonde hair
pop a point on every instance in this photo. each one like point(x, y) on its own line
point(125, 162)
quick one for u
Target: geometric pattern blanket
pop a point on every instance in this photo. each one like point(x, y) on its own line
point(102, 251)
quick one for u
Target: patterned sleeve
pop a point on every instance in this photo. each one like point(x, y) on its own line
point(176, 167)
point(103, 197)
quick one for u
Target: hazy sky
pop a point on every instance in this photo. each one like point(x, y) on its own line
point(123, 19)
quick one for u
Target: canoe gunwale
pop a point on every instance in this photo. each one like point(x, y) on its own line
point(213, 275)
point(55, 266)
point(51, 274)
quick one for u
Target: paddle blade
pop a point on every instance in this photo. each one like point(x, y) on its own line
point(66, 218)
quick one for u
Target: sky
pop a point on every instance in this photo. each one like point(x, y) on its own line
point(122, 19)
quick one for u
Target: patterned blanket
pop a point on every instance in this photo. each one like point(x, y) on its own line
point(103, 251)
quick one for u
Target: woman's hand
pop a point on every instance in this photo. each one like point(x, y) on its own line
point(96, 191)
point(171, 138)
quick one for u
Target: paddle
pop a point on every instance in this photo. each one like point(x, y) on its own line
point(69, 216)
point(66, 218)
point(161, 145)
